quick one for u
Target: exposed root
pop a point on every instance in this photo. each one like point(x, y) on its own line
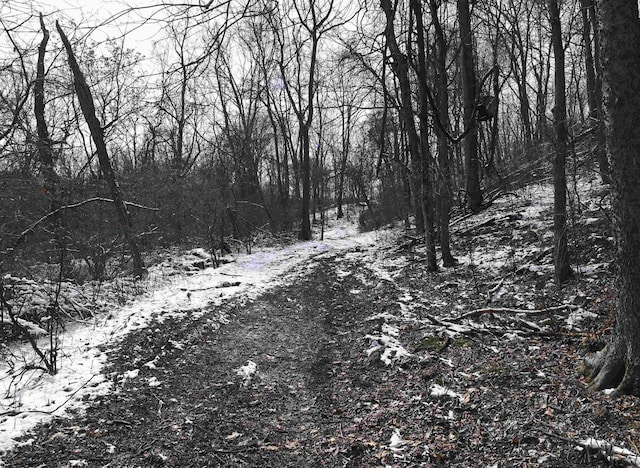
point(606, 369)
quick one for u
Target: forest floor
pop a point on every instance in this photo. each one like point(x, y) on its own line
point(359, 357)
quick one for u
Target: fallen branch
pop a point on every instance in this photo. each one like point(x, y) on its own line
point(501, 310)
point(486, 223)
point(610, 451)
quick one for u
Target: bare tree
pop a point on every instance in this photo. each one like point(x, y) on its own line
point(302, 38)
point(86, 103)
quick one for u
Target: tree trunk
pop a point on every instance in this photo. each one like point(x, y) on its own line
point(400, 67)
point(590, 23)
point(97, 134)
point(444, 151)
point(45, 154)
point(346, 143)
point(561, 251)
point(590, 71)
point(618, 365)
point(305, 223)
point(469, 92)
point(423, 115)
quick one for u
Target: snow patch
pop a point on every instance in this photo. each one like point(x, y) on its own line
point(247, 372)
point(390, 347)
point(438, 391)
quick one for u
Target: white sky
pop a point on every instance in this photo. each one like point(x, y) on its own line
point(97, 20)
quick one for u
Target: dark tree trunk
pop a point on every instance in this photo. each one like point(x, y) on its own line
point(305, 223)
point(400, 67)
point(425, 169)
point(618, 365)
point(561, 251)
point(86, 104)
point(444, 150)
point(469, 90)
point(346, 143)
point(590, 71)
point(45, 153)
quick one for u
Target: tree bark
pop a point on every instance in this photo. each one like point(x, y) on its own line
point(589, 65)
point(618, 365)
point(400, 68)
point(423, 115)
point(561, 250)
point(444, 150)
point(346, 143)
point(469, 92)
point(594, 84)
point(88, 109)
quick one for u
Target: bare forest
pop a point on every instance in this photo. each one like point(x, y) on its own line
point(388, 233)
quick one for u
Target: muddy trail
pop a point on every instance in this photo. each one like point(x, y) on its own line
point(187, 407)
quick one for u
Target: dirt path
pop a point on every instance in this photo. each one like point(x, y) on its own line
point(189, 408)
point(319, 399)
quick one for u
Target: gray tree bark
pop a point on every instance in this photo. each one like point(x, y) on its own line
point(469, 92)
point(561, 250)
point(618, 365)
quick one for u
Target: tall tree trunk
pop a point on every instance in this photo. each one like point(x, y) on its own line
point(561, 251)
point(469, 93)
point(88, 109)
point(444, 150)
point(594, 84)
point(423, 115)
point(305, 223)
point(618, 365)
point(589, 65)
point(45, 153)
point(346, 143)
point(401, 70)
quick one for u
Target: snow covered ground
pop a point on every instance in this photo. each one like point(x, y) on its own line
point(30, 396)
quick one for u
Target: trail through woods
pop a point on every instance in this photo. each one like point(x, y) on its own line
point(354, 355)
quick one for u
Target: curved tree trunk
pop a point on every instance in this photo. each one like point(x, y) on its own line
point(45, 153)
point(97, 134)
point(618, 365)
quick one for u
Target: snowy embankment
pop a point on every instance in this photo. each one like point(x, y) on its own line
point(30, 396)
point(512, 236)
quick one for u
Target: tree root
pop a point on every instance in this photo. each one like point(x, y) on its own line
point(606, 369)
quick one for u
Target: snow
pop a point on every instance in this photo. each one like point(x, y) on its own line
point(438, 391)
point(247, 372)
point(29, 397)
point(611, 452)
point(391, 348)
point(177, 292)
point(396, 443)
